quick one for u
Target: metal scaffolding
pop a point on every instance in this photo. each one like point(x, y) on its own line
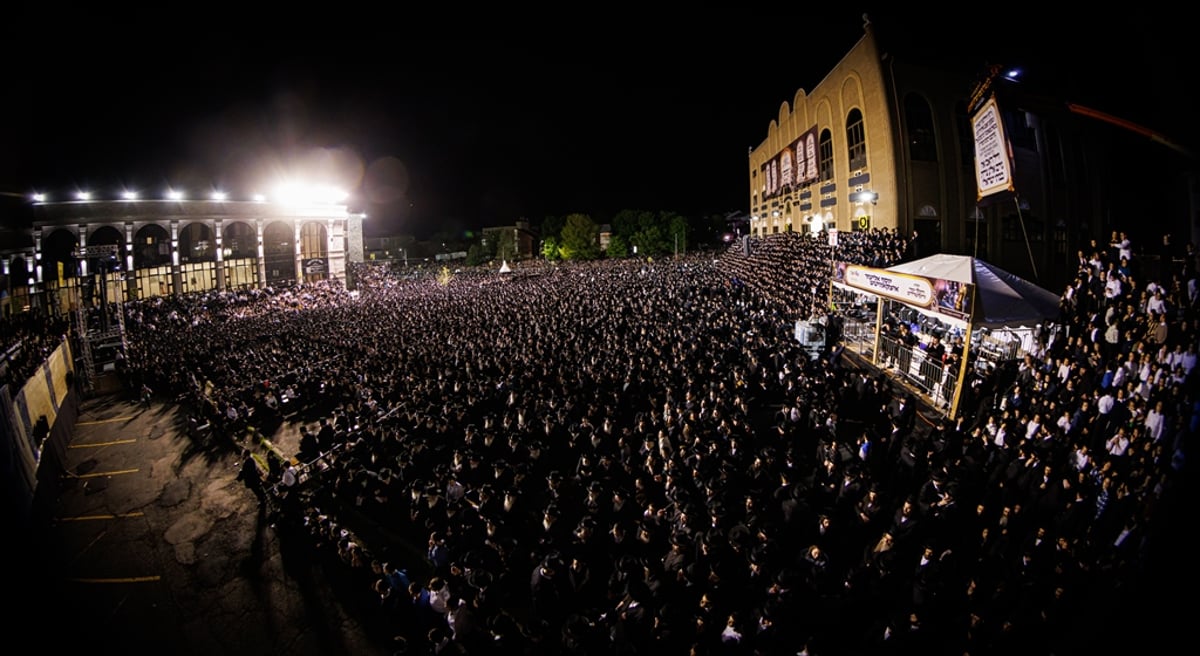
point(91, 336)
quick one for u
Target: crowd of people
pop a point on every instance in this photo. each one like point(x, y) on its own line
point(27, 339)
point(637, 456)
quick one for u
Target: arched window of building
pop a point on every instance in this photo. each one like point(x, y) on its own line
point(856, 140)
point(825, 146)
point(918, 122)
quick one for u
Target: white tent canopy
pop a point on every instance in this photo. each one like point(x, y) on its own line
point(1001, 299)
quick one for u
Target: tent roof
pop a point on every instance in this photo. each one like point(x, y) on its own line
point(1001, 298)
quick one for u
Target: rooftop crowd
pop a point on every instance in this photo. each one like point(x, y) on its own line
point(637, 456)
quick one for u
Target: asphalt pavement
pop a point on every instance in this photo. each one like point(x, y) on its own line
point(153, 546)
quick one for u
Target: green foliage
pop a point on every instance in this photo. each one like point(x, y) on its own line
point(617, 247)
point(445, 276)
point(550, 249)
point(476, 255)
point(580, 238)
point(552, 227)
point(505, 244)
point(652, 233)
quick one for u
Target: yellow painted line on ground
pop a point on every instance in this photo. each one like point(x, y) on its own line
point(95, 444)
point(111, 473)
point(132, 579)
point(102, 421)
point(84, 518)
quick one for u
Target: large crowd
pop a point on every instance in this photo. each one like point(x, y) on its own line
point(638, 457)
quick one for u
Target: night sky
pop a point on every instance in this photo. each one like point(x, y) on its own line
point(434, 136)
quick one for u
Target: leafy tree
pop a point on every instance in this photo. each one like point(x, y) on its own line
point(626, 222)
point(476, 255)
point(650, 240)
point(580, 238)
point(550, 249)
point(617, 246)
point(677, 227)
point(505, 243)
point(445, 276)
point(552, 227)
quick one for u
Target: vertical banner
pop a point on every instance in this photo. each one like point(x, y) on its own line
point(993, 162)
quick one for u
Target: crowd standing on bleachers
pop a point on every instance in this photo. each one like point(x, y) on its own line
point(637, 457)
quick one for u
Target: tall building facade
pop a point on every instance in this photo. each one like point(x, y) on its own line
point(888, 142)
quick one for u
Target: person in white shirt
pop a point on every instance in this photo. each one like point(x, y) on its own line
point(1124, 247)
point(1064, 370)
point(1188, 360)
point(1118, 444)
point(1156, 304)
point(1034, 425)
point(1064, 421)
point(1155, 422)
point(1082, 458)
point(1112, 287)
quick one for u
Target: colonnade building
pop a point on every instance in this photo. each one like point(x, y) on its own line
point(86, 250)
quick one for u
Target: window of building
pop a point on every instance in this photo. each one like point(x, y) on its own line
point(825, 147)
point(856, 140)
point(918, 121)
point(1020, 127)
point(1016, 227)
point(1060, 237)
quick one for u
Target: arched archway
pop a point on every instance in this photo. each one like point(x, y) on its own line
point(58, 247)
point(107, 271)
point(18, 277)
point(196, 243)
point(314, 251)
point(238, 240)
point(152, 261)
point(151, 247)
point(197, 258)
point(279, 253)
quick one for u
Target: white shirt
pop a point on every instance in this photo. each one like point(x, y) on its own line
point(1156, 304)
point(1118, 444)
point(1125, 249)
point(1188, 360)
point(1155, 423)
point(1112, 288)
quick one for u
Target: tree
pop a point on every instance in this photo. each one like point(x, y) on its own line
point(445, 276)
point(552, 227)
point(650, 240)
point(505, 243)
point(677, 226)
point(617, 247)
point(580, 238)
point(550, 249)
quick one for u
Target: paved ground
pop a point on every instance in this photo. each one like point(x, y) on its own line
point(154, 546)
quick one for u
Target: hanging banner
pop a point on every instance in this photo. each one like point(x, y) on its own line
point(947, 297)
point(993, 163)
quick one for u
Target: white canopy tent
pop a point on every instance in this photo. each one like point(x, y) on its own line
point(957, 290)
point(1001, 299)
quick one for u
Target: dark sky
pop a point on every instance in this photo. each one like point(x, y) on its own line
point(455, 135)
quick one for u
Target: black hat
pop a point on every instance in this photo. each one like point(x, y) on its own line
point(555, 476)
